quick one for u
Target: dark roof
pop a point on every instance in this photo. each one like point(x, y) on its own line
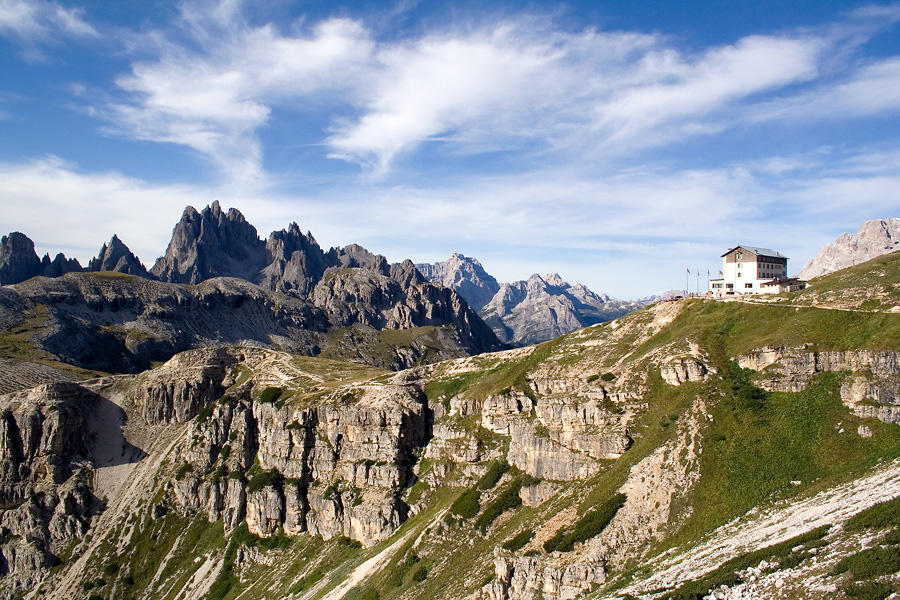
point(757, 251)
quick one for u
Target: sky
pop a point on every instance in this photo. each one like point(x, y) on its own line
point(616, 143)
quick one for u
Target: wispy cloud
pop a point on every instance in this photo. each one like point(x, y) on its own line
point(214, 89)
point(213, 81)
point(39, 20)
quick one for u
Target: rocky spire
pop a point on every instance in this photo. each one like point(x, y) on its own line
point(212, 244)
point(115, 256)
point(18, 260)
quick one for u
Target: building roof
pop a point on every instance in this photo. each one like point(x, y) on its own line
point(757, 251)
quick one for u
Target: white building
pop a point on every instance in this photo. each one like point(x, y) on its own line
point(749, 270)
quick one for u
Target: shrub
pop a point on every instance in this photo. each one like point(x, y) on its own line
point(420, 574)
point(111, 569)
point(872, 562)
point(492, 475)
point(593, 378)
point(882, 514)
point(553, 543)
point(348, 542)
point(225, 452)
point(589, 525)
point(507, 500)
point(270, 394)
point(265, 479)
point(183, 470)
point(876, 590)
point(365, 592)
point(607, 377)
point(518, 542)
point(466, 506)
point(205, 412)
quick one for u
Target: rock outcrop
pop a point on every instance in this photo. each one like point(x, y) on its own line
point(45, 493)
point(872, 388)
point(874, 238)
point(528, 578)
point(333, 468)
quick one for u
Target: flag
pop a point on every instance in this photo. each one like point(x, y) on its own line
point(689, 271)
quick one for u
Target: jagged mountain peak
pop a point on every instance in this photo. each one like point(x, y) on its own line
point(530, 311)
point(873, 238)
point(19, 261)
point(465, 275)
point(115, 256)
point(209, 244)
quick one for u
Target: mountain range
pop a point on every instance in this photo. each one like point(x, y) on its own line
point(526, 312)
point(218, 283)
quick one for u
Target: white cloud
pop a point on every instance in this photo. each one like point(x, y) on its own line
point(213, 82)
point(869, 90)
point(32, 20)
point(677, 88)
point(214, 97)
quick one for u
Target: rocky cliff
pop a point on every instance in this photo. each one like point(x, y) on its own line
point(874, 238)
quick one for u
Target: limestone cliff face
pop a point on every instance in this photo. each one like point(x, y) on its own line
point(874, 238)
point(871, 390)
point(334, 467)
point(19, 261)
point(45, 494)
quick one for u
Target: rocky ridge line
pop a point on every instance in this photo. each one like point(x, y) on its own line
point(526, 312)
point(874, 238)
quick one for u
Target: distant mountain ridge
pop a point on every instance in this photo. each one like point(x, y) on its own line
point(874, 238)
point(344, 298)
point(531, 311)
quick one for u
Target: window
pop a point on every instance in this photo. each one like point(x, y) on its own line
point(748, 285)
point(740, 274)
point(740, 255)
point(740, 265)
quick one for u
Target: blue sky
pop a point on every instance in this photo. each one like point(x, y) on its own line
point(616, 143)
